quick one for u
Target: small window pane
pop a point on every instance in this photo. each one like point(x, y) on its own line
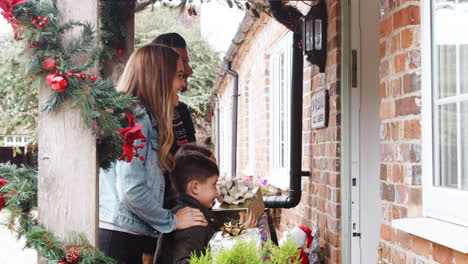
point(318, 34)
point(464, 68)
point(447, 146)
point(464, 139)
point(446, 71)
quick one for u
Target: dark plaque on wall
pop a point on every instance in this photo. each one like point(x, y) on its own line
point(320, 109)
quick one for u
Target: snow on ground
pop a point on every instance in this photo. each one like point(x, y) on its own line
point(11, 250)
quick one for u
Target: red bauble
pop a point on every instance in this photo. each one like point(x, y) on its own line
point(34, 22)
point(70, 74)
point(120, 51)
point(41, 24)
point(49, 64)
point(39, 18)
point(142, 158)
point(80, 75)
point(92, 78)
point(45, 19)
point(49, 78)
point(58, 82)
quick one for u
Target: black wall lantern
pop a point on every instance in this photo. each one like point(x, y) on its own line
point(314, 35)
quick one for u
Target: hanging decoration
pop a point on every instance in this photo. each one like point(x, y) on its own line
point(130, 134)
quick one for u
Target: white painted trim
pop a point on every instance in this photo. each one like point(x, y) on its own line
point(438, 202)
point(450, 235)
point(14, 140)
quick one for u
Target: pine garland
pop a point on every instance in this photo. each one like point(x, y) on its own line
point(101, 106)
point(20, 192)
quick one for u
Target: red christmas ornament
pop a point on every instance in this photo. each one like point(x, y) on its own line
point(80, 76)
point(45, 19)
point(130, 134)
point(70, 74)
point(120, 52)
point(39, 18)
point(58, 82)
point(41, 24)
point(49, 78)
point(92, 78)
point(142, 158)
point(49, 64)
point(34, 22)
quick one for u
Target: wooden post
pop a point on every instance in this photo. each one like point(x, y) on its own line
point(68, 169)
point(68, 196)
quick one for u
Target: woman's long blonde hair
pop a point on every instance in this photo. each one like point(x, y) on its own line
point(148, 76)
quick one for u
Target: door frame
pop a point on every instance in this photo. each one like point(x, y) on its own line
point(346, 71)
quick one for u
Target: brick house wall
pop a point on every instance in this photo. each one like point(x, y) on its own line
point(400, 112)
point(400, 132)
point(321, 148)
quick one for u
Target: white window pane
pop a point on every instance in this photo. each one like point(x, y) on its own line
point(464, 146)
point(445, 71)
point(447, 146)
point(464, 68)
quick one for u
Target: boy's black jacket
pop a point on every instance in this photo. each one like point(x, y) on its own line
point(176, 247)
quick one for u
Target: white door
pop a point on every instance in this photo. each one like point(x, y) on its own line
point(366, 211)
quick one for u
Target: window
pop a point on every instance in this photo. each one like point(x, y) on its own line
point(249, 92)
point(445, 110)
point(280, 98)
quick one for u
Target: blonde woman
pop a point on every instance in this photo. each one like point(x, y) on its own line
point(131, 193)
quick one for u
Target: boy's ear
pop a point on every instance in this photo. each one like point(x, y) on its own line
point(193, 187)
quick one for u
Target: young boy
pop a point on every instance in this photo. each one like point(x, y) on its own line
point(194, 179)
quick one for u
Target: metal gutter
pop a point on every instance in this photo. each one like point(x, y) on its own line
point(235, 99)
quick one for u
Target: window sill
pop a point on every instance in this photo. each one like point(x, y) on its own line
point(444, 233)
point(279, 183)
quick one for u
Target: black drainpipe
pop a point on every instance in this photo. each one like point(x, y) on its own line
point(288, 18)
point(235, 96)
point(218, 140)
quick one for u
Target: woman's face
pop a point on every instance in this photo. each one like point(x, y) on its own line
point(178, 83)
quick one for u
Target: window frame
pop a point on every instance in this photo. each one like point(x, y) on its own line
point(279, 176)
point(438, 202)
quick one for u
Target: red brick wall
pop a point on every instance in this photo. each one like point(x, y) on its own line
point(400, 112)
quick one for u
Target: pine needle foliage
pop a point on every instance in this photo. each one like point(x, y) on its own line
point(21, 196)
point(247, 252)
point(101, 106)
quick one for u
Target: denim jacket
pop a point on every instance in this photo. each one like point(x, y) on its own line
point(131, 193)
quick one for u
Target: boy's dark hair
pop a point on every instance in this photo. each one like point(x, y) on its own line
point(173, 40)
point(190, 147)
point(190, 166)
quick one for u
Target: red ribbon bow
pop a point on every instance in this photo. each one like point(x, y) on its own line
point(130, 134)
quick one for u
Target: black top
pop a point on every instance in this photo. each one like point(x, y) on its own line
point(177, 247)
point(184, 132)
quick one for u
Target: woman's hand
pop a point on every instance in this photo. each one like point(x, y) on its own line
point(250, 222)
point(188, 217)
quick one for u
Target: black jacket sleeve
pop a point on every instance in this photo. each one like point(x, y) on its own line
point(187, 121)
point(189, 241)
